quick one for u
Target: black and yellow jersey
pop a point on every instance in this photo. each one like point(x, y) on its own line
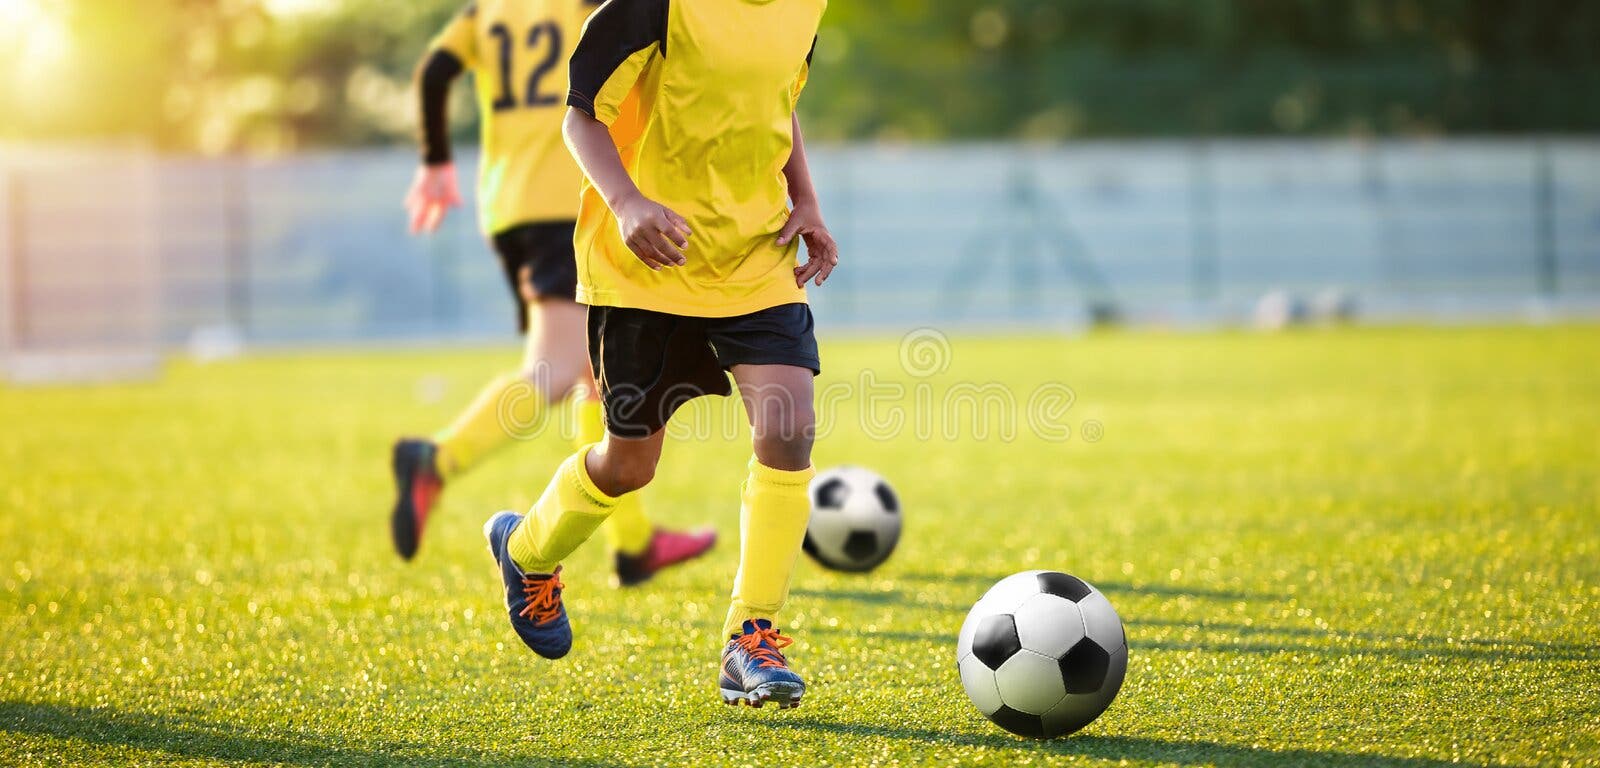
point(517, 51)
point(699, 96)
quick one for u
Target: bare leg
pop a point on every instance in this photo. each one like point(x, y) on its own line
point(775, 504)
point(619, 465)
point(778, 401)
point(556, 358)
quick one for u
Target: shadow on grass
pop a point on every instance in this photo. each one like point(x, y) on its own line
point(892, 635)
point(199, 739)
point(982, 581)
point(973, 585)
point(1360, 643)
point(1118, 747)
point(1266, 640)
point(869, 597)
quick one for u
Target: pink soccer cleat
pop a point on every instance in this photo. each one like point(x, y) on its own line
point(666, 549)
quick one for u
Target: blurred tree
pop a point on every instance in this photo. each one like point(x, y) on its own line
point(1058, 68)
point(213, 75)
point(271, 75)
point(177, 73)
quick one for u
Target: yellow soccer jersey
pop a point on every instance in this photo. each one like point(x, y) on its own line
point(517, 51)
point(699, 96)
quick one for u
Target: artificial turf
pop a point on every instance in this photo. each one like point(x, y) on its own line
point(1374, 546)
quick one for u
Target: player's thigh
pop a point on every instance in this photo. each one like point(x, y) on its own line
point(539, 263)
point(778, 401)
point(777, 398)
point(772, 354)
point(556, 348)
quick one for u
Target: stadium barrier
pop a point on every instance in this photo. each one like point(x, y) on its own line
point(116, 250)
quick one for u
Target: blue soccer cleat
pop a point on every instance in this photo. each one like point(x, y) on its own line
point(755, 671)
point(533, 601)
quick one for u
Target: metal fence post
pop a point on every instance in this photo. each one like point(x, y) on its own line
point(1375, 183)
point(236, 245)
point(16, 277)
point(10, 262)
point(1204, 271)
point(1544, 201)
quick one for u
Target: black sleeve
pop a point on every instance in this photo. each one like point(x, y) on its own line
point(434, 77)
point(619, 29)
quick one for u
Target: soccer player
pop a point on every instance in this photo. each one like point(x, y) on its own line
point(528, 200)
point(682, 118)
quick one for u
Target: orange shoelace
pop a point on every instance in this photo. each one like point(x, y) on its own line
point(544, 605)
point(767, 654)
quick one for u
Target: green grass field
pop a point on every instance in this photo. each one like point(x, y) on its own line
point(1355, 547)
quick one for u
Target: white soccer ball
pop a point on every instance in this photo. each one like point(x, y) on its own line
point(855, 520)
point(1042, 654)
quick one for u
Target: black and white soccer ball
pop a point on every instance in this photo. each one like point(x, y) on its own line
point(1042, 654)
point(855, 520)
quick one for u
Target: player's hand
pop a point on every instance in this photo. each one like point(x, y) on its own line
point(821, 250)
point(654, 232)
point(433, 193)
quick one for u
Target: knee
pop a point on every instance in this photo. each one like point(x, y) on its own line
point(783, 440)
point(786, 422)
point(624, 474)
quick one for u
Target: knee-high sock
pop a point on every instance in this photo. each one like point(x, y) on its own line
point(628, 530)
point(772, 524)
point(564, 517)
point(508, 405)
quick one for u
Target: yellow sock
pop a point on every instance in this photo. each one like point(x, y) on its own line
point(772, 524)
point(589, 418)
point(564, 517)
point(507, 406)
point(628, 530)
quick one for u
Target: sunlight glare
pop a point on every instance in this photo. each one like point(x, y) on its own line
point(16, 13)
point(290, 7)
point(36, 48)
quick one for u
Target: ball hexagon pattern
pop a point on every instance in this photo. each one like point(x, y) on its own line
point(855, 520)
point(1042, 654)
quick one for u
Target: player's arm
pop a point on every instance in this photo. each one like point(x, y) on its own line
point(620, 40)
point(434, 189)
point(654, 232)
point(435, 74)
point(805, 219)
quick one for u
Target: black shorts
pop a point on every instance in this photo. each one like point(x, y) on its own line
point(539, 264)
point(649, 364)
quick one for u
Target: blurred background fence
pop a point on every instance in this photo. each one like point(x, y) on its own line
point(312, 247)
point(986, 163)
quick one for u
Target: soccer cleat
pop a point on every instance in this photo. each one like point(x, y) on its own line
point(533, 601)
point(755, 671)
point(417, 486)
point(666, 549)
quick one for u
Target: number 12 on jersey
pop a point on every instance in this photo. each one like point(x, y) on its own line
point(544, 41)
